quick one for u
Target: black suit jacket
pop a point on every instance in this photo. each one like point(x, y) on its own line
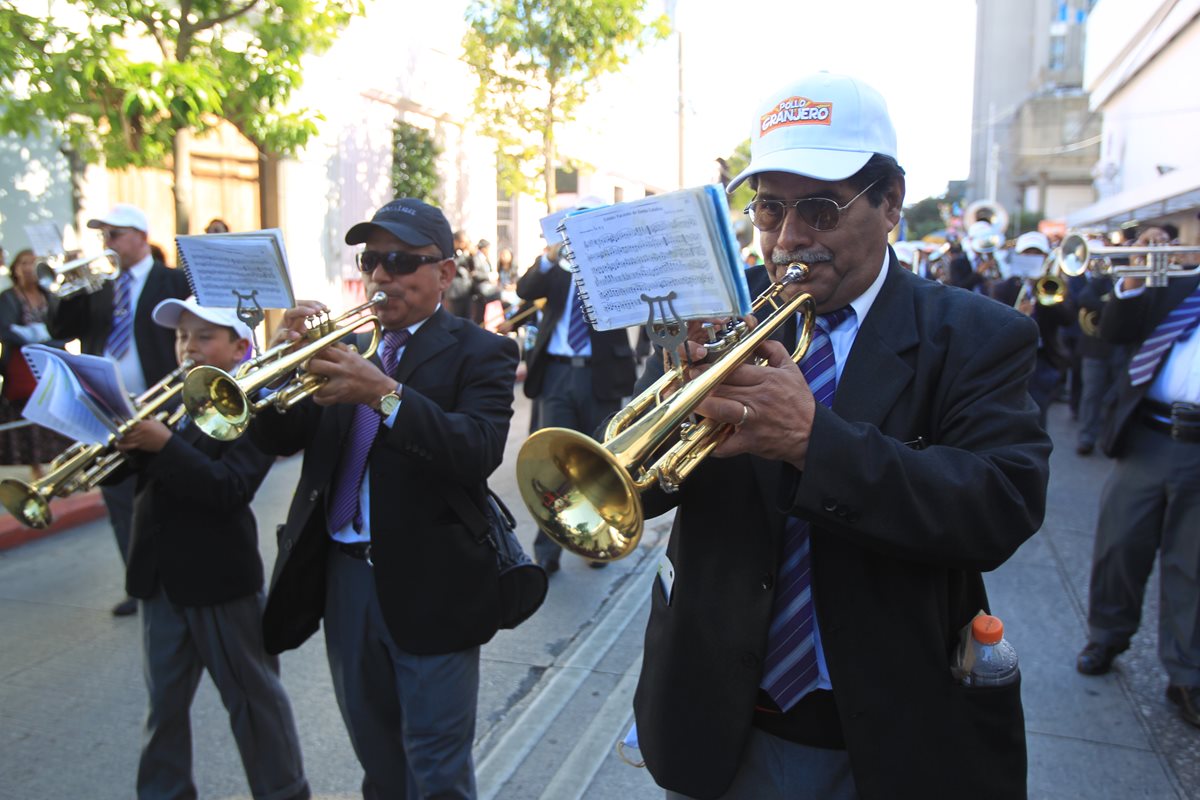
point(930, 468)
point(612, 364)
point(88, 318)
point(193, 531)
point(436, 583)
point(10, 314)
point(1131, 321)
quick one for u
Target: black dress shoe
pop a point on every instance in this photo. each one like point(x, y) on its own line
point(1097, 659)
point(1085, 448)
point(125, 608)
point(551, 567)
point(597, 564)
point(1188, 700)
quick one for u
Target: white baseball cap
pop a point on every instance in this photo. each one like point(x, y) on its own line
point(167, 314)
point(1033, 240)
point(122, 215)
point(823, 126)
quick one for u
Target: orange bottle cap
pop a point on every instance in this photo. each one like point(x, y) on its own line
point(987, 629)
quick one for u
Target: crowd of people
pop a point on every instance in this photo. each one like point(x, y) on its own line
point(818, 536)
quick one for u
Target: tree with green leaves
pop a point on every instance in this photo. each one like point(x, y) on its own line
point(414, 162)
point(130, 82)
point(537, 61)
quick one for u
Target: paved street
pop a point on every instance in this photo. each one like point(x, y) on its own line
point(556, 693)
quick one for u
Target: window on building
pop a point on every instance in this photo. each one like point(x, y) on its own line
point(566, 181)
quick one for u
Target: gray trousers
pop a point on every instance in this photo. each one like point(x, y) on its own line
point(411, 718)
point(118, 499)
point(775, 769)
point(179, 643)
point(1150, 504)
point(567, 401)
point(1099, 392)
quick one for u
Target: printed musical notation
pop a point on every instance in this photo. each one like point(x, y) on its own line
point(664, 243)
point(219, 266)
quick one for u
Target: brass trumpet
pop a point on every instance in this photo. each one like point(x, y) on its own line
point(85, 275)
point(81, 467)
point(586, 495)
point(1075, 257)
point(219, 403)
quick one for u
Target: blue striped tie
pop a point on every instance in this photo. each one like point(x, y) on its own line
point(343, 500)
point(1177, 326)
point(122, 316)
point(577, 326)
point(790, 670)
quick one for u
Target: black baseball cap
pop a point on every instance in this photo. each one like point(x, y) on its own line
point(412, 222)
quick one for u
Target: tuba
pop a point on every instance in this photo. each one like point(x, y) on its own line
point(586, 495)
point(220, 404)
point(81, 467)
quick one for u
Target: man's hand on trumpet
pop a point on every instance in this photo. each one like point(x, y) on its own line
point(295, 319)
point(148, 435)
point(350, 377)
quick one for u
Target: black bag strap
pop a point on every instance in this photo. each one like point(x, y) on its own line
point(473, 518)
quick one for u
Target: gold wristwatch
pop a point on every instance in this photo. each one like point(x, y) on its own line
point(389, 402)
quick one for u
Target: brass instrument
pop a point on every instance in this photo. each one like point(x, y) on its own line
point(1075, 257)
point(86, 275)
point(586, 495)
point(1050, 289)
point(81, 467)
point(511, 323)
point(1089, 322)
point(219, 403)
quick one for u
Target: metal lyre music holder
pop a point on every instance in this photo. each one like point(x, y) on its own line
point(250, 312)
point(664, 326)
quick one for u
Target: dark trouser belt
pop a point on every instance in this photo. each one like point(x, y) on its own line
point(1180, 421)
point(570, 361)
point(812, 722)
point(359, 550)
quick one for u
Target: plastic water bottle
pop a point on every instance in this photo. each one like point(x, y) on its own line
point(992, 659)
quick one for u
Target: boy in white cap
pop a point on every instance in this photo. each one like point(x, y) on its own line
point(194, 565)
point(825, 561)
point(115, 322)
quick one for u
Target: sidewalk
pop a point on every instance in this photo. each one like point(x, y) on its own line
point(67, 512)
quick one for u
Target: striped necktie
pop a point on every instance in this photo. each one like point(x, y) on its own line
point(122, 316)
point(577, 326)
point(1177, 326)
point(343, 500)
point(790, 670)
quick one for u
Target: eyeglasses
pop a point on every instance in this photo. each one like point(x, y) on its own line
point(818, 213)
point(114, 233)
point(396, 262)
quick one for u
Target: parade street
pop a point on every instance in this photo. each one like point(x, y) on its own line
point(556, 694)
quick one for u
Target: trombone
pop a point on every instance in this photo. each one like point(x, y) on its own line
point(1075, 257)
point(82, 467)
point(219, 403)
point(586, 495)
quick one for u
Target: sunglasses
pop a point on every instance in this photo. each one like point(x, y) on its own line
point(115, 233)
point(394, 263)
point(818, 213)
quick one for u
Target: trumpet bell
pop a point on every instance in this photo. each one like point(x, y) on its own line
point(25, 504)
point(579, 494)
point(216, 404)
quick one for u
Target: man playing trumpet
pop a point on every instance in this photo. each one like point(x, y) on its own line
point(374, 544)
point(825, 563)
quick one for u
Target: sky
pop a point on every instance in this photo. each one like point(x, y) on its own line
point(919, 54)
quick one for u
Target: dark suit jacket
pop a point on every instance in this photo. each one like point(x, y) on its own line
point(613, 368)
point(1131, 321)
point(88, 318)
point(436, 583)
point(10, 314)
point(929, 469)
point(193, 531)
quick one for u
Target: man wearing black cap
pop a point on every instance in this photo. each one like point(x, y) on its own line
point(375, 543)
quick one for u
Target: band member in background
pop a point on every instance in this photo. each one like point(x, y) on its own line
point(194, 563)
point(577, 376)
point(375, 544)
point(825, 562)
point(1151, 502)
point(115, 322)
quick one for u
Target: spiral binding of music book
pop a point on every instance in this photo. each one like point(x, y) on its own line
point(223, 267)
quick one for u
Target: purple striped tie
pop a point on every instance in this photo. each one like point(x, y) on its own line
point(577, 326)
point(343, 500)
point(1177, 326)
point(790, 670)
point(122, 316)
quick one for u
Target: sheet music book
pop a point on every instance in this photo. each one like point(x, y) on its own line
point(221, 265)
point(45, 239)
point(679, 242)
point(79, 396)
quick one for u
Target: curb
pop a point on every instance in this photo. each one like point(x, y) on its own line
point(68, 512)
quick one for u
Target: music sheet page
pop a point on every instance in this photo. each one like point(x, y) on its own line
point(654, 246)
point(220, 265)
